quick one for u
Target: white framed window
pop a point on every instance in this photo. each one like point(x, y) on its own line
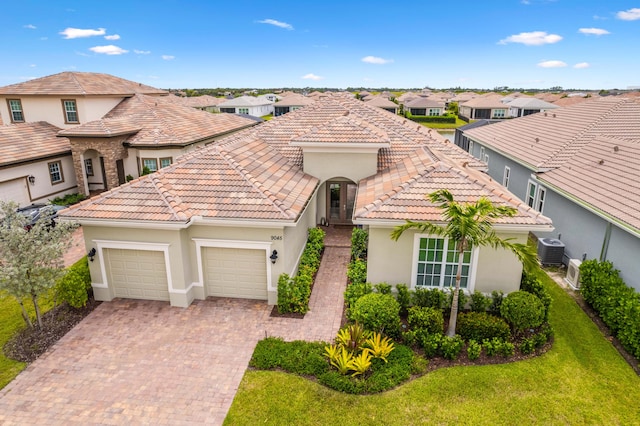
point(55, 172)
point(150, 163)
point(482, 153)
point(436, 263)
point(486, 159)
point(499, 113)
point(243, 111)
point(70, 111)
point(15, 110)
point(434, 111)
point(165, 162)
point(505, 176)
point(542, 193)
point(470, 147)
point(531, 194)
point(88, 166)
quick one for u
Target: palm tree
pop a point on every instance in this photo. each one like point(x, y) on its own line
point(468, 225)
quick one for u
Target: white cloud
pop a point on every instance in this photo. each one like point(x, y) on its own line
point(80, 33)
point(311, 76)
point(534, 38)
point(112, 37)
point(108, 50)
point(582, 65)
point(593, 31)
point(30, 26)
point(376, 60)
point(629, 15)
point(32, 65)
point(141, 52)
point(168, 57)
point(552, 64)
point(277, 23)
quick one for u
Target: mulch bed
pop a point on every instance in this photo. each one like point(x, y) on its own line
point(30, 343)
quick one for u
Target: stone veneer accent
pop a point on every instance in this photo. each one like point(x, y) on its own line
point(109, 148)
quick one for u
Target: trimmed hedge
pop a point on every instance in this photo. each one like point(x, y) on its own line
point(73, 288)
point(617, 305)
point(294, 293)
point(479, 326)
point(427, 319)
point(432, 118)
point(377, 312)
point(522, 310)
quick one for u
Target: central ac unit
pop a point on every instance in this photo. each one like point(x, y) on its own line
point(573, 273)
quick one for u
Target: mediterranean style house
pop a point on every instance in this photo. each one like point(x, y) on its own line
point(112, 131)
point(580, 166)
point(228, 219)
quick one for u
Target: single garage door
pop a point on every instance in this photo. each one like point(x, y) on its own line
point(137, 274)
point(15, 190)
point(231, 272)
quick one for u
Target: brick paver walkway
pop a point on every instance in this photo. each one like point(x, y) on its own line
point(144, 362)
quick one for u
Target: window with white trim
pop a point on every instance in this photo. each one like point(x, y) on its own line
point(243, 111)
point(165, 162)
point(481, 153)
point(470, 147)
point(486, 159)
point(55, 172)
point(499, 113)
point(505, 177)
point(542, 193)
point(15, 110)
point(88, 166)
point(434, 111)
point(531, 194)
point(70, 111)
point(536, 195)
point(438, 263)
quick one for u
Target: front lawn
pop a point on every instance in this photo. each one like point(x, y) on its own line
point(581, 380)
point(11, 322)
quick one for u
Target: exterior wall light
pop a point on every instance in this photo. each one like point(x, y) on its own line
point(91, 254)
point(273, 257)
point(31, 179)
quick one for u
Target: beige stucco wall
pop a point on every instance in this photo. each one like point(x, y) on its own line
point(353, 166)
point(49, 108)
point(391, 261)
point(42, 190)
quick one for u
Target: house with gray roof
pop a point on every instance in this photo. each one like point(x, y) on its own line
point(290, 103)
point(383, 102)
point(425, 106)
point(228, 219)
point(248, 105)
point(485, 107)
point(523, 106)
point(580, 166)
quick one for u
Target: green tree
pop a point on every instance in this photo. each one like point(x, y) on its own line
point(30, 260)
point(468, 225)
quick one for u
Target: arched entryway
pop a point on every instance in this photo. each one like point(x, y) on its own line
point(341, 198)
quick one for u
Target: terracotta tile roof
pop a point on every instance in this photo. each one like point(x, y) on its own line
point(568, 101)
point(605, 174)
point(257, 173)
point(548, 97)
point(547, 140)
point(399, 193)
point(244, 101)
point(531, 103)
point(80, 84)
point(463, 97)
point(381, 102)
point(40, 138)
point(294, 99)
point(490, 100)
point(195, 101)
point(157, 121)
point(236, 180)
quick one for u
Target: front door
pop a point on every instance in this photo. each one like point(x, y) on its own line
point(341, 197)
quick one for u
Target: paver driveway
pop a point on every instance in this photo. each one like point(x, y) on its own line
point(144, 362)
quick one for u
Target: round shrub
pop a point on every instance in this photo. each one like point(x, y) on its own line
point(377, 312)
point(481, 325)
point(522, 310)
point(428, 319)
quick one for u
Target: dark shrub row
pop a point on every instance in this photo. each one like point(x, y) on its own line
point(617, 304)
point(294, 293)
point(432, 118)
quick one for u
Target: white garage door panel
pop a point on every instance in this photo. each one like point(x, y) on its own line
point(137, 274)
point(240, 273)
point(15, 190)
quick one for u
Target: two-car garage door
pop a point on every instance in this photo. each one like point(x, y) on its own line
point(137, 274)
point(235, 272)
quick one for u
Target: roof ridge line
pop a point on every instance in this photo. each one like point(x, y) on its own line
point(172, 201)
point(254, 182)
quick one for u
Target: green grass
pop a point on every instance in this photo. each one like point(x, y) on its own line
point(11, 322)
point(581, 380)
point(446, 125)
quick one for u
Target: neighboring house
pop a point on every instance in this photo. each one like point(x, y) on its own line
point(203, 102)
point(384, 103)
point(228, 219)
point(35, 164)
point(290, 103)
point(487, 107)
point(248, 105)
point(142, 131)
point(425, 106)
point(67, 99)
point(463, 97)
point(579, 166)
point(523, 106)
point(272, 97)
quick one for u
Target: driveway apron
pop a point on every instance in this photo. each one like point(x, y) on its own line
point(145, 362)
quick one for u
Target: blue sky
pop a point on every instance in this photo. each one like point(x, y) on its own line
point(589, 44)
